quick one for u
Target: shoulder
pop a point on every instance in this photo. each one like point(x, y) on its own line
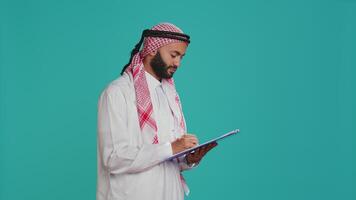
point(119, 88)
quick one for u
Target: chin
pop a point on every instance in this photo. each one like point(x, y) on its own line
point(169, 76)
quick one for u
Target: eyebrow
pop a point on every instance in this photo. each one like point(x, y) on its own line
point(177, 52)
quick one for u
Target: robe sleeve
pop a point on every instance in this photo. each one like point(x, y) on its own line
point(118, 155)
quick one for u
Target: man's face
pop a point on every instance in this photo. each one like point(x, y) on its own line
point(167, 59)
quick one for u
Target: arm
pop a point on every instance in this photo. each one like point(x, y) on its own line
point(117, 153)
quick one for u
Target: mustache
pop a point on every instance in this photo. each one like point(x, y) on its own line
point(174, 67)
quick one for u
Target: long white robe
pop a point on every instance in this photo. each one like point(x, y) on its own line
point(128, 168)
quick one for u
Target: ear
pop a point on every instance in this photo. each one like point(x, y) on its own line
point(153, 53)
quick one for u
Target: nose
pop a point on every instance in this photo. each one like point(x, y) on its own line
point(177, 61)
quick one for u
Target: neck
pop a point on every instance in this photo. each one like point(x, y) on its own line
point(148, 68)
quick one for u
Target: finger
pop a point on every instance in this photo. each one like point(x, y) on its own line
point(191, 140)
point(210, 146)
point(189, 144)
point(189, 136)
point(193, 154)
point(194, 140)
point(203, 149)
point(192, 159)
point(208, 149)
point(200, 151)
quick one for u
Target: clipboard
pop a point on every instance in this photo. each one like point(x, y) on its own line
point(191, 150)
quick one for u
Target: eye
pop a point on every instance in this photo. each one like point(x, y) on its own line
point(173, 56)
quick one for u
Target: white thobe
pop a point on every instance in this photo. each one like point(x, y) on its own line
point(128, 168)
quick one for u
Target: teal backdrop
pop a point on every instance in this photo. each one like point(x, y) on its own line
point(281, 71)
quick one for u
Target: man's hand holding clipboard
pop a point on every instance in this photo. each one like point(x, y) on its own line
point(198, 154)
point(187, 146)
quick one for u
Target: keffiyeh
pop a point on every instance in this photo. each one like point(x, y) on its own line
point(163, 34)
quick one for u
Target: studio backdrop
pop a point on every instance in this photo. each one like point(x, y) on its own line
point(281, 71)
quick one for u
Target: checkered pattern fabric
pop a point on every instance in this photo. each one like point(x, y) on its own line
point(151, 43)
point(144, 105)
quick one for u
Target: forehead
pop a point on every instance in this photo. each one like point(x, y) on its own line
point(179, 47)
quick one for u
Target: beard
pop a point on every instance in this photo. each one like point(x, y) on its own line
point(160, 68)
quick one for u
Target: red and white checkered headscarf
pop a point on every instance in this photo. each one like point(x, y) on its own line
point(136, 70)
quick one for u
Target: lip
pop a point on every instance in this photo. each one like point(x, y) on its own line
point(172, 70)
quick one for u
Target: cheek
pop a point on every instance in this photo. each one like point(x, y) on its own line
point(167, 59)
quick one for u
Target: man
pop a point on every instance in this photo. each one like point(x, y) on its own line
point(141, 124)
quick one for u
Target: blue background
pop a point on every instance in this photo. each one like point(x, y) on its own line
point(281, 71)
